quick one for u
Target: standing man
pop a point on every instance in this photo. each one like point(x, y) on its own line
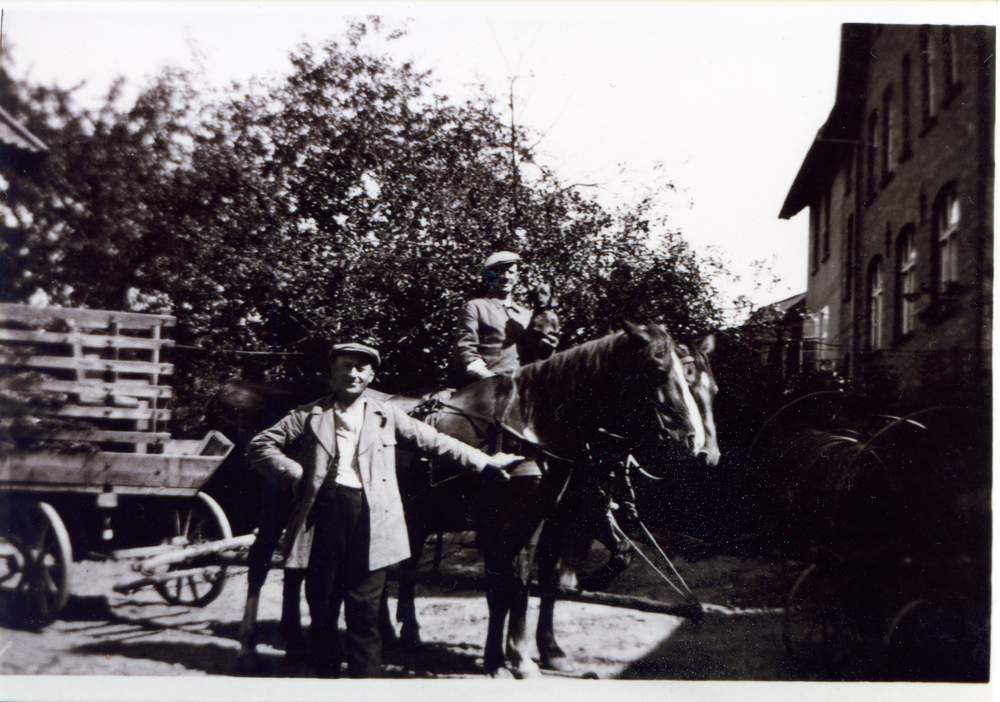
point(338, 454)
point(491, 328)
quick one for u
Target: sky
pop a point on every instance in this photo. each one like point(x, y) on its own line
point(720, 99)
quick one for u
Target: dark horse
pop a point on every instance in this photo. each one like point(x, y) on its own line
point(584, 515)
point(628, 384)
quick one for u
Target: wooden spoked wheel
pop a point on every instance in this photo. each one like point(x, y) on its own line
point(818, 631)
point(190, 522)
point(35, 558)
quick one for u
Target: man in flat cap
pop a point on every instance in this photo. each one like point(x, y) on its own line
point(491, 335)
point(338, 454)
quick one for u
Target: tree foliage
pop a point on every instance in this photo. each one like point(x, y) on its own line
point(345, 201)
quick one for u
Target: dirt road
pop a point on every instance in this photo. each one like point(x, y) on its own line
point(104, 633)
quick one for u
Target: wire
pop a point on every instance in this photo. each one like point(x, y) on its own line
point(236, 352)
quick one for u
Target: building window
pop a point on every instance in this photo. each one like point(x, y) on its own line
point(876, 304)
point(814, 218)
point(928, 69)
point(872, 155)
point(887, 136)
point(908, 288)
point(848, 258)
point(904, 112)
point(947, 217)
point(824, 204)
point(849, 174)
point(948, 66)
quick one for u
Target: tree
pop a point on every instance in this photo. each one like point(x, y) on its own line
point(347, 201)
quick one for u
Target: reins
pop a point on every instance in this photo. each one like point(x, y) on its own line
point(436, 405)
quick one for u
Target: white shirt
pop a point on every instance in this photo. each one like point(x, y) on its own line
point(348, 430)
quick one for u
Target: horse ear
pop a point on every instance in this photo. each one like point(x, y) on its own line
point(637, 333)
point(707, 345)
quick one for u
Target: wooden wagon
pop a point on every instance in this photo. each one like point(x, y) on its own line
point(88, 469)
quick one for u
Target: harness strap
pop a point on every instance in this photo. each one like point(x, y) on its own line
point(437, 405)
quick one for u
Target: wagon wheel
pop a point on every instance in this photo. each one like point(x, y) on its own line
point(818, 631)
point(34, 562)
point(195, 521)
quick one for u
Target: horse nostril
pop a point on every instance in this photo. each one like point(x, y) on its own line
point(703, 459)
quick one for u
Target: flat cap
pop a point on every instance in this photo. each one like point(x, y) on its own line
point(354, 347)
point(501, 258)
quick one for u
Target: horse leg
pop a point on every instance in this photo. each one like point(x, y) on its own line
point(551, 573)
point(508, 548)
point(517, 640)
point(258, 562)
point(291, 613)
point(406, 614)
point(385, 628)
point(621, 555)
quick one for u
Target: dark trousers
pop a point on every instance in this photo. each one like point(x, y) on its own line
point(338, 573)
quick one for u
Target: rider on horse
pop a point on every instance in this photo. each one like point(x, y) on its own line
point(496, 335)
point(493, 330)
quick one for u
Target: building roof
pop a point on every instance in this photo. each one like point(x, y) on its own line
point(842, 128)
point(16, 138)
point(777, 310)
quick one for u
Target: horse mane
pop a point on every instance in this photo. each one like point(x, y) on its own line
point(585, 367)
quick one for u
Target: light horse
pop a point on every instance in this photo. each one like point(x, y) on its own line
point(630, 384)
point(585, 517)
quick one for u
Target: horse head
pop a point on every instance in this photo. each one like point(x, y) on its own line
point(701, 382)
point(654, 376)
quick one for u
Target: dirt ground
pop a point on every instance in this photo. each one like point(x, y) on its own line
point(102, 633)
point(105, 633)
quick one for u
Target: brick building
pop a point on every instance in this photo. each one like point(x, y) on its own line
point(899, 186)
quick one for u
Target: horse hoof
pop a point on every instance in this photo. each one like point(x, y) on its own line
point(502, 674)
point(590, 675)
point(246, 661)
point(560, 664)
point(527, 672)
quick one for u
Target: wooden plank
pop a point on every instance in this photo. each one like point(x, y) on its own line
point(91, 341)
point(130, 388)
point(83, 318)
point(76, 488)
point(101, 468)
point(110, 413)
point(97, 435)
point(94, 364)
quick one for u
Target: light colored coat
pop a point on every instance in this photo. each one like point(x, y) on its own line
point(304, 444)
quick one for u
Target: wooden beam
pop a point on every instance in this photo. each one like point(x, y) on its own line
point(83, 318)
point(110, 413)
point(88, 341)
point(189, 552)
point(129, 388)
point(151, 472)
point(93, 364)
point(97, 435)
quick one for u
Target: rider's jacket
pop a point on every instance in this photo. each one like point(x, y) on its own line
point(488, 333)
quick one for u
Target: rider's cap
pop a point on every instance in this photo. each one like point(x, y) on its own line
point(354, 347)
point(500, 258)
